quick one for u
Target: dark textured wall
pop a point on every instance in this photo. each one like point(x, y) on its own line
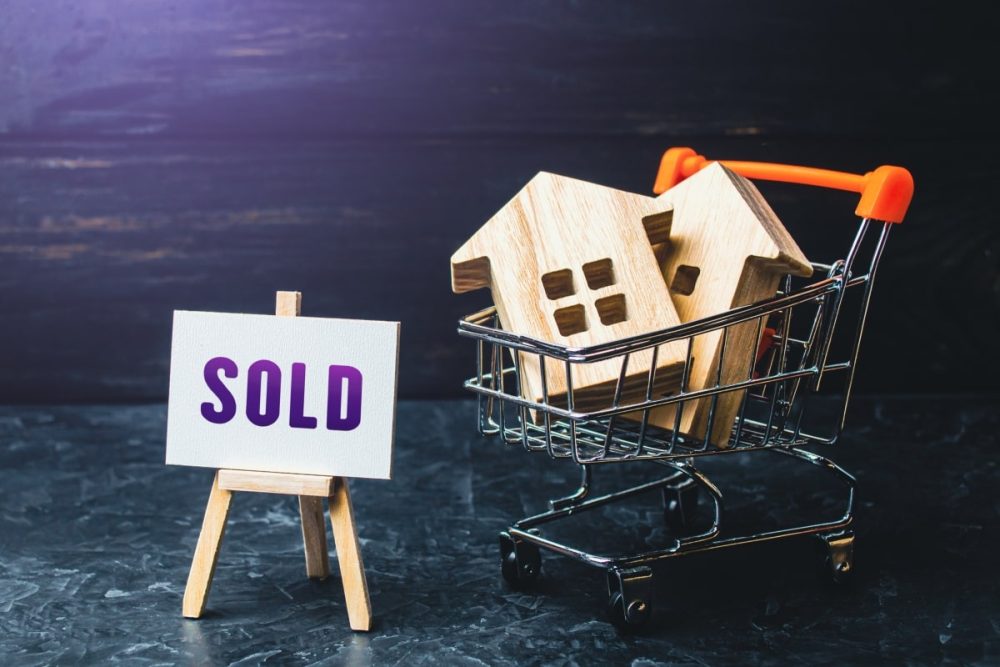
point(200, 154)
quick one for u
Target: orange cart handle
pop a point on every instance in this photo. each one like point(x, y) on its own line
point(885, 192)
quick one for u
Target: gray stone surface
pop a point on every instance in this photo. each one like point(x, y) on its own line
point(96, 536)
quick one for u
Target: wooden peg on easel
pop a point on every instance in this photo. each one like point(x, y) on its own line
point(310, 489)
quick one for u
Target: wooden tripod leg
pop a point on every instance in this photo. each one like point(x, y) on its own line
point(314, 537)
point(207, 552)
point(352, 569)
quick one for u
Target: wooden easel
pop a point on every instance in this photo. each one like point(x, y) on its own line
point(311, 489)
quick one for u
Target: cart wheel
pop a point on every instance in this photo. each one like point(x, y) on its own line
point(630, 597)
point(679, 505)
point(838, 557)
point(628, 619)
point(520, 562)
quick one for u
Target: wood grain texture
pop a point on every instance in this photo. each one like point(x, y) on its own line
point(352, 567)
point(725, 229)
point(116, 236)
point(150, 153)
point(276, 482)
point(211, 69)
point(572, 263)
point(288, 304)
point(314, 537)
point(206, 553)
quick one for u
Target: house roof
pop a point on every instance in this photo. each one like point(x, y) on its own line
point(718, 201)
point(558, 220)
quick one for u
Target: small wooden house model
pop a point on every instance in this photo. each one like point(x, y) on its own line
point(727, 249)
point(572, 263)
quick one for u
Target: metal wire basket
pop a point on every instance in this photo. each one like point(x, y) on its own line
point(813, 332)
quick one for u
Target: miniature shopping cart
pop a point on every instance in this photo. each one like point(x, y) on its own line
point(810, 333)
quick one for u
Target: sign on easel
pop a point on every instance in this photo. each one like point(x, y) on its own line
point(288, 405)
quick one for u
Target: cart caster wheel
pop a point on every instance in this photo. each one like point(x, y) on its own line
point(629, 619)
point(838, 557)
point(630, 594)
point(679, 504)
point(520, 562)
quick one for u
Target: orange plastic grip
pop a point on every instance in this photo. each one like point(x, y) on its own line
point(885, 192)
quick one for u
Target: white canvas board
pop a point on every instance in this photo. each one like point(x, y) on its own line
point(283, 394)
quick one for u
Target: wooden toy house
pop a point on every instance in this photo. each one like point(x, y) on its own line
point(572, 263)
point(727, 249)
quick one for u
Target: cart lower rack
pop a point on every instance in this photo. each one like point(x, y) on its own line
point(814, 331)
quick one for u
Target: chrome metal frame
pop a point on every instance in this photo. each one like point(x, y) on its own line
point(771, 417)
